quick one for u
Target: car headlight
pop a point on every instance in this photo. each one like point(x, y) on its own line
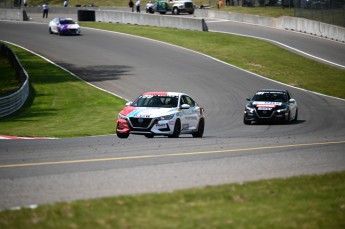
point(249, 108)
point(283, 110)
point(121, 116)
point(166, 117)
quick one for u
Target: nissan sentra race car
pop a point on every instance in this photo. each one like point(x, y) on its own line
point(64, 26)
point(161, 113)
point(271, 104)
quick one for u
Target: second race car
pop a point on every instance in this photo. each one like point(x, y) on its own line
point(271, 104)
point(64, 26)
point(161, 113)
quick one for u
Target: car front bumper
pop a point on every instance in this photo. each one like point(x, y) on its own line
point(274, 116)
point(161, 127)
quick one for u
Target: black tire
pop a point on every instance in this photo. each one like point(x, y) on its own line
point(175, 11)
point(50, 30)
point(296, 116)
point(122, 135)
point(200, 131)
point(288, 119)
point(246, 122)
point(177, 129)
point(149, 135)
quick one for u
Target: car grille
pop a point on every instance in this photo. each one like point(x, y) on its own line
point(140, 122)
point(188, 5)
point(264, 113)
point(73, 31)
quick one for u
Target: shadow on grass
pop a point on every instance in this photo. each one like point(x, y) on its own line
point(26, 112)
point(99, 73)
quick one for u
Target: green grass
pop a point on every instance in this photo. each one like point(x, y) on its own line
point(308, 202)
point(60, 105)
point(247, 53)
point(8, 80)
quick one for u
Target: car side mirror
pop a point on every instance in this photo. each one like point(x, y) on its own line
point(292, 101)
point(128, 104)
point(248, 99)
point(185, 106)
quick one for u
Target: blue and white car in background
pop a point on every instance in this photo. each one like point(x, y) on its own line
point(64, 26)
point(161, 113)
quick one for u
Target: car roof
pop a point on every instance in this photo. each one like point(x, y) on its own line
point(271, 90)
point(65, 18)
point(163, 93)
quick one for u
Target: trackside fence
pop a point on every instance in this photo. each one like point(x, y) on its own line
point(13, 102)
point(326, 11)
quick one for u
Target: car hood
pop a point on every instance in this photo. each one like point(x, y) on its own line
point(147, 112)
point(72, 26)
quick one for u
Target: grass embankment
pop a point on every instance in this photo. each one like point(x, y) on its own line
point(60, 105)
point(8, 79)
point(308, 202)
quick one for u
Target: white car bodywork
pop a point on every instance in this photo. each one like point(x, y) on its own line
point(161, 113)
point(63, 26)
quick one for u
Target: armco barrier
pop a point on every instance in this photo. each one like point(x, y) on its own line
point(13, 102)
point(151, 20)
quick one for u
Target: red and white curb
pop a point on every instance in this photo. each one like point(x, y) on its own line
point(7, 137)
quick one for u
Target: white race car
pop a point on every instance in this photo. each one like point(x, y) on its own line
point(64, 26)
point(161, 113)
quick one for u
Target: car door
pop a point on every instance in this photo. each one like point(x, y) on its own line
point(292, 105)
point(189, 119)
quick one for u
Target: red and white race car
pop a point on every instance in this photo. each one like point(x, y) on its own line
point(161, 113)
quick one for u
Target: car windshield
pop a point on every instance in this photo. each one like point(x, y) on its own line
point(156, 101)
point(67, 22)
point(270, 96)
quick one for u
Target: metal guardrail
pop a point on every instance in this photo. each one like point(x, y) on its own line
point(13, 102)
